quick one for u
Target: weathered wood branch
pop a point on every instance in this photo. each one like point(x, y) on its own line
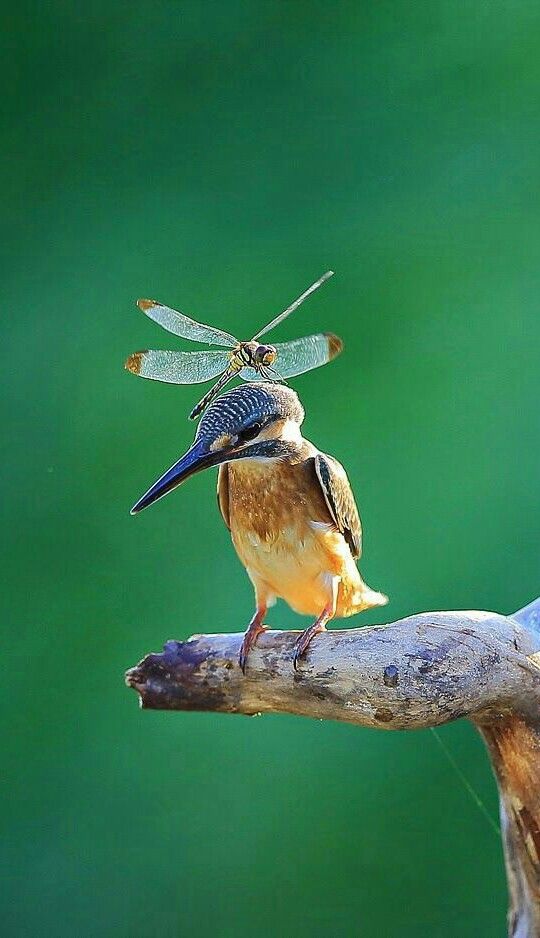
point(421, 671)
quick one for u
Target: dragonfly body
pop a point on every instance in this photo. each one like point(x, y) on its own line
point(251, 361)
point(252, 355)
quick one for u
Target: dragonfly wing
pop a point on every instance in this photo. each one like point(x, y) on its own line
point(293, 358)
point(178, 367)
point(183, 326)
point(251, 374)
point(290, 309)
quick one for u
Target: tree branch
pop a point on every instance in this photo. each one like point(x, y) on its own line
point(417, 672)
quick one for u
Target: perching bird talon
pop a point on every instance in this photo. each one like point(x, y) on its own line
point(304, 639)
point(299, 652)
point(242, 657)
point(248, 642)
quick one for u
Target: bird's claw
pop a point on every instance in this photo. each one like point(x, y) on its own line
point(248, 642)
point(300, 649)
point(303, 641)
point(242, 659)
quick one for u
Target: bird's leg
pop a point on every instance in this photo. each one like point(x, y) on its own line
point(304, 639)
point(253, 630)
point(319, 625)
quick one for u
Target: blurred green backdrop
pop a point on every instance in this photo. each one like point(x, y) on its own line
point(220, 156)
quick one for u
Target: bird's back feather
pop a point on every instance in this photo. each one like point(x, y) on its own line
point(340, 500)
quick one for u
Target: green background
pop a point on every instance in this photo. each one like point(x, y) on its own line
point(219, 156)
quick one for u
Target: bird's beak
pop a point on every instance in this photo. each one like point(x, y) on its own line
point(198, 457)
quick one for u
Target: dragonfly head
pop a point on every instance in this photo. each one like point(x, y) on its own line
point(256, 355)
point(253, 421)
point(265, 355)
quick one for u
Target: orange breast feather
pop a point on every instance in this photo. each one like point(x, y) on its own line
point(284, 535)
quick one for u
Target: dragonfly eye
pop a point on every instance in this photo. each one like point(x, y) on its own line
point(265, 355)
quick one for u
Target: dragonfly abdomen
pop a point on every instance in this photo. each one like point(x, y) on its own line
point(235, 365)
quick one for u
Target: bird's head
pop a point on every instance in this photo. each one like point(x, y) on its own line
point(253, 421)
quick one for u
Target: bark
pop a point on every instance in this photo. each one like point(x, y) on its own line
point(422, 671)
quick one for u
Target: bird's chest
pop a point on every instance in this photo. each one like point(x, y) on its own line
point(282, 531)
point(270, 505)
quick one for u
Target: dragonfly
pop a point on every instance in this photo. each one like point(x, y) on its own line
point(250, 361)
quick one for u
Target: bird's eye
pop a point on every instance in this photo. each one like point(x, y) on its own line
point(249, 433)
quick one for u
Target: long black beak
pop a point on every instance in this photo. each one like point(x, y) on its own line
point(197, 458)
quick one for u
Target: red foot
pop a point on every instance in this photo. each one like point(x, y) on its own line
point(250, 638)
point(304, 639)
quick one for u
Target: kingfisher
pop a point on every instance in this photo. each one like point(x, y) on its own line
point(289, 508)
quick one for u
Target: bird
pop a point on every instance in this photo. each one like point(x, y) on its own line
point(288, 506)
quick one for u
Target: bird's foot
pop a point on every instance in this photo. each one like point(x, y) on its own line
point(304, 639)
point(250, 637)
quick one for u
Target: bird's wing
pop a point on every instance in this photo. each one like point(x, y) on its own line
point(340, 500)
point(223, 493)
point(179, 324)
point(178, 367)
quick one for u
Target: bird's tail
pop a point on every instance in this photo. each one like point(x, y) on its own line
point(366, 598)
